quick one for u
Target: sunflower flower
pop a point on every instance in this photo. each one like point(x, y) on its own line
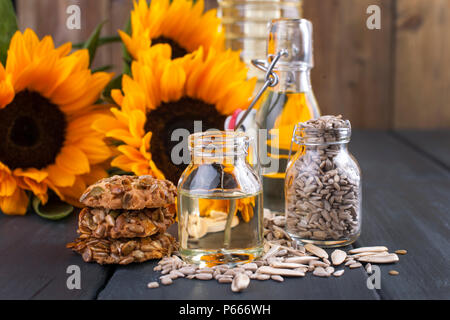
point(47, 107)
point(163, 95)
point(180, 23)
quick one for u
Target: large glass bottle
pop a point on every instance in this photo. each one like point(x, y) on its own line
point(283, 106)
point(245, 23)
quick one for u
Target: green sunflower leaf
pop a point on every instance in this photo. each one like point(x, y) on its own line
point(8, 26)
point(54, 209)
point(93, 42)
point(126, 55)
point(101, 41)
point(115, 83)
point(108, 67)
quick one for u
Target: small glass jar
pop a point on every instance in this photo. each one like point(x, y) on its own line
point(323, 188)
point(220, 210)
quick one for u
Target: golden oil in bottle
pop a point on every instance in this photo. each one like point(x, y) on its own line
point(224, 229)
point(291, 101)
point(279, 113)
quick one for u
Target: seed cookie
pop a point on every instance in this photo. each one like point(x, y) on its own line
point(129, 192)
point(124, 251)
point(104, 223)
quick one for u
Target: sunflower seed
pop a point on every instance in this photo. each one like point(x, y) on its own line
point(205, 270)
point(349, 262)
point(390, 258)
point(225, 280)
point(204, 276)
point(355, 265)
point(157, 268)
point(166, 280)
point(240, 282)
point(338, 273)
point(329, 270)
point(262, 277)
point(369, 268)
point(281, 272)
point(187, 270)
point(316, 250)
point(320, 272)
point(250, 266)
point(368, 249)
point(287, 265)
point(153, 285)
point(402, 251)
point(177, 273)
point(277, 278)
point(318, 264)
point(304, 259)
point(338, 256)
point(393, 273)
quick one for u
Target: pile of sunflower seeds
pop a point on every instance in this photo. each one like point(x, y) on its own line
point(323, 200)
point(282, 258)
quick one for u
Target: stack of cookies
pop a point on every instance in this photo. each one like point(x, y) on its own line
point(125, 220)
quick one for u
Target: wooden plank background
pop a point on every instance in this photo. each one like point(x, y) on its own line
point(394, 78)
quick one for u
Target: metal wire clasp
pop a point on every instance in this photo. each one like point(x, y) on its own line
point(271, 80)
point(296, 138)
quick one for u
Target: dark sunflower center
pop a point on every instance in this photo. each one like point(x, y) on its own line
point(177, 115)
point(32, 131)
point(177, 50)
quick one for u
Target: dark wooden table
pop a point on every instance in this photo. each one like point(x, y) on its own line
point(406, 205)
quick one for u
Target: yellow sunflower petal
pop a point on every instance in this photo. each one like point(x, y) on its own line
point(95, 149)
point(60, 177)
point(172, 82)
point(6, 88)
point(97, 172)
point(16, 204)
point(7, 184)
point(131, 153)
point(31, 173)
point(123, 162)
point(107, 123)
point(73, 160)
point(125, 136)
point(97, 82)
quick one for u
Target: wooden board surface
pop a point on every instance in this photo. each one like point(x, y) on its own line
point(34, 260)
point(48, 17)
point(405, 206)
point(396, 77)
point(434, 144)
point(352, 285)
point(353, 65)
point(422, 64)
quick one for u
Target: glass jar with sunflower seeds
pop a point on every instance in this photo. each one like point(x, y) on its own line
point(323, 184)
point(220, 212)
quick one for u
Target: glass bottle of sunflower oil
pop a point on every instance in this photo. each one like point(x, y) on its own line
point(245, 23)
point(282, 107)
point(219, 201)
